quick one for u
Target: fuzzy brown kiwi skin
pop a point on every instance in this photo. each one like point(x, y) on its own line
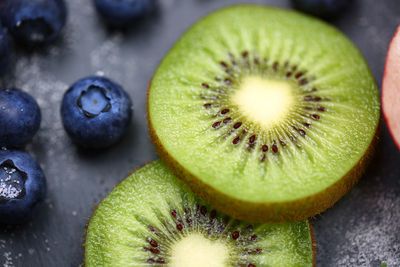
point(313, 242)
point(293, 210)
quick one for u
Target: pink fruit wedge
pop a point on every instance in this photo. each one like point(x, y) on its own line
point(391, 88)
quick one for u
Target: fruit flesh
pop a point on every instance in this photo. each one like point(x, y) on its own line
point(197, 251)
point(391, 88)
point(125, 222)
point(336, 143)
point(264, 101)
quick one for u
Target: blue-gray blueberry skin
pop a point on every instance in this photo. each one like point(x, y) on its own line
point(96, 112)
point(123, 12)
point(22, 187)
point(33, 22)
point(5, 50)
point(322, 8)
point(20, 118)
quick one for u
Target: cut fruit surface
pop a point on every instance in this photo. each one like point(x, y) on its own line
point(151, 219)
point(263, 101)
point(197, 250)
point(265, 113)
point(391, 88)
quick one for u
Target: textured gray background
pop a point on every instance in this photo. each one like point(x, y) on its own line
point(363, 229)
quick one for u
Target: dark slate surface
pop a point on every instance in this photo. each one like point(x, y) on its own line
point(363, 229)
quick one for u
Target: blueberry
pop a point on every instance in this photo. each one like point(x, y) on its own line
point(123, 12)
point(33, 21)
point(5, 50)
point(19, 118)
point(96, 112)
point(22, 187)
point(321, 8)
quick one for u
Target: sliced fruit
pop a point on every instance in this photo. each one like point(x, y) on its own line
point(267, 114)
point(151, 219)
point(391, 88)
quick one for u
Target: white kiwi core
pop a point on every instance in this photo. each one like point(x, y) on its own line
point(195, 250)
point(264, 101)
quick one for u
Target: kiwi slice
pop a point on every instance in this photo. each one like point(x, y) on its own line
point(151, 219)
point(267, 114)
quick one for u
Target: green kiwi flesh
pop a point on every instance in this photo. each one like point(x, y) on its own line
point(152, 219)
point(267, 114)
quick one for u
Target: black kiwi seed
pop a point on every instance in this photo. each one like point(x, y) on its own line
point(224, 111)
point(274, 148)
point(237, 125)
point(227, 120)
point(236, 140)
point(216, 124)
point(315, 116)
